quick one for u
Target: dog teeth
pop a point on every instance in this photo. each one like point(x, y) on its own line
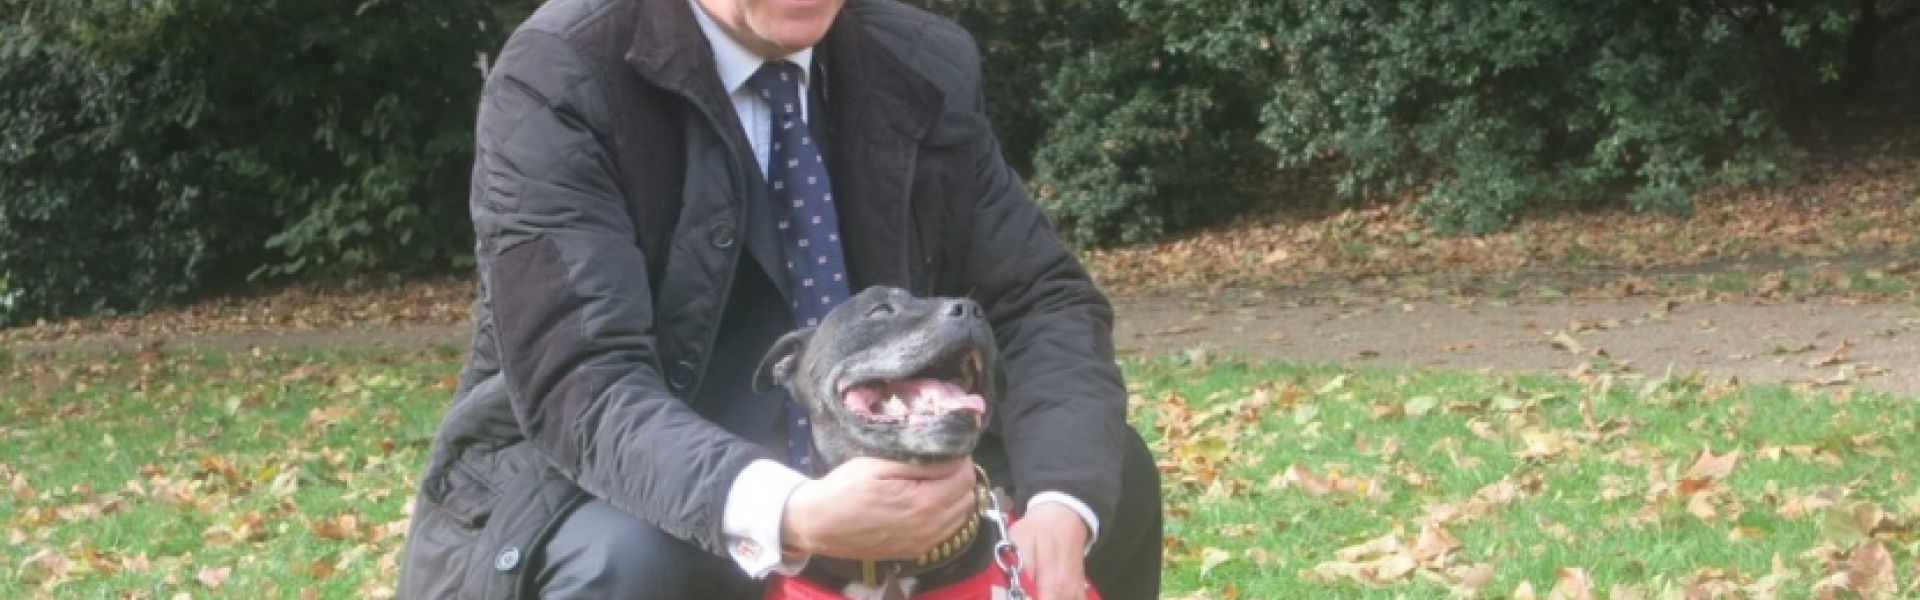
point(894, 407)
point(970, 370)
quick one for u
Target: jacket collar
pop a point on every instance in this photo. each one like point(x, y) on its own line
point(669, 50)
point(877, 110)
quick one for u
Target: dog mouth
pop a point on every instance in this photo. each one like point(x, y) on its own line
point(949, 388)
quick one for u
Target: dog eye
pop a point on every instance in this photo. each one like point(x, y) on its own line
point(880, 310)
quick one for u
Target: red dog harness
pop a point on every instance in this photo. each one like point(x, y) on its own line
point(989, 584)
point(992, 583)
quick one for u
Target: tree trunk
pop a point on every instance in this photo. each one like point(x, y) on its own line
point(1866, 41)
point(1862, 51)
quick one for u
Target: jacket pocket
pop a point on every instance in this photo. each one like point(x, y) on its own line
point(438, 550)
point(528, 510)
point(465, 478)
point(445, 548)
point(473, 498)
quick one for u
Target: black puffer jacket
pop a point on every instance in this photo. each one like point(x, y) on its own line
point(616, 203)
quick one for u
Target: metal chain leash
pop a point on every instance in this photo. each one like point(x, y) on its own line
point(1005, 554)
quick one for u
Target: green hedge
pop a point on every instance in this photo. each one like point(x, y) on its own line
point(156, 148)
point(1169, 113)
point(151, 150)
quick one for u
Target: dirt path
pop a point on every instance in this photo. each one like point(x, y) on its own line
point(1796, 343)
point(1792, 342)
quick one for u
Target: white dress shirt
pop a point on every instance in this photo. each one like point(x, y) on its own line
point(757, 501)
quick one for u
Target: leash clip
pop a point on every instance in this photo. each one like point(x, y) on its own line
point(1005, 555)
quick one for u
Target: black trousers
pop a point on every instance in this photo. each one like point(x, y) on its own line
point(601, 552)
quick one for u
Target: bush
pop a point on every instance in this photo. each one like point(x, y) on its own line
point(1123, 142)
point(1023, 44)
point(149, 150)
point(157, 148)
point(1150, 117)
point(1134, 151)
point(1502, 105)
point(90, 219)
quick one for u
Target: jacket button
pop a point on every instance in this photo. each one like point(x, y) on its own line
point(507, 560)
point(721, 235)
point(680, 376)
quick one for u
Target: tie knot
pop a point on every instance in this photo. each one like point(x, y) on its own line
point(778, 83)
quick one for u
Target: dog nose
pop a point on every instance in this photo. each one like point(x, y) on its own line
point(963, 308)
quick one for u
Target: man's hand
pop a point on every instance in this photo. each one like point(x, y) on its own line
point(1053, 541)
point(872, 509)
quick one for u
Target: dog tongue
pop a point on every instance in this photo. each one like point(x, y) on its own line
point(935, 399)
point(944, 397)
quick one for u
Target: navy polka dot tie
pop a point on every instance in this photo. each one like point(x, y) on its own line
point(809, 226)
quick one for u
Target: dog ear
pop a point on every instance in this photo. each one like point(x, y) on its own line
point(781, 360)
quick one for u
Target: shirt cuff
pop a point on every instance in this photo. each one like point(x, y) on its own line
point(1078, 507)
point(751, 520)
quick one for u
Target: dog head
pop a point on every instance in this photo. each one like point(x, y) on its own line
point(890, 375)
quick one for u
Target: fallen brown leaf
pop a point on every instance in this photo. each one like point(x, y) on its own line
point(1708, 466)
point(1870, 570)
point(213, 577)
point(1563, 341)
point(1838, 356)
point(1571, 584)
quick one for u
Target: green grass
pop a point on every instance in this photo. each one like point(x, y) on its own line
point(269, 475)
point(226, 475)
point(1611, 498)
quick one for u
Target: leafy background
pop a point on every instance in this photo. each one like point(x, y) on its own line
point(156, 152)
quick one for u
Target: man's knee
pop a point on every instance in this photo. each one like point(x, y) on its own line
point(601, 552)
point(1140, 502)
point(1126, 563)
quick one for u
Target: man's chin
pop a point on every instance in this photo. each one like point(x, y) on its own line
point(793, 34)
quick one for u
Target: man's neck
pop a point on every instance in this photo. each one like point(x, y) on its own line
point(734, 25)
point(735, 60)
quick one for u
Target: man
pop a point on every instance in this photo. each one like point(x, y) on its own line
point(643, 237)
